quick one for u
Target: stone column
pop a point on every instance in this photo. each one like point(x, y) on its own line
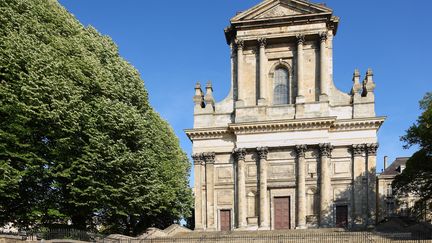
point(263, 203)
point(198, 161)
point(209, 161)
point(325, 185)
point(240, 88)
point(300, 64)
point(358, 192)
point(323, 66)
point(371, 182)
point(262, 72)
point(301, 186)
point(241, 187)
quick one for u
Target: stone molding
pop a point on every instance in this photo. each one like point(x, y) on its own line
point(369, 149)
point(239, 43)
point(372, 149)
point(325, 149)
point(300, 39)
point(239, 153)
point(211, 133)
point(358, 149)
point(262, 152)
point(262, 42)
point(301, 150)
point(209, 157)
point(267, 8)
point(323, 36)
point(329, 123)
point(198, 158)
point(357, 124)
point(281, 126)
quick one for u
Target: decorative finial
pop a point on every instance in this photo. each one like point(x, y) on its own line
point(356, 83)
point(199, 96)
point(209, 100)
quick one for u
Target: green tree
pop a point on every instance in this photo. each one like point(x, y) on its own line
point(78, 138)
point(417, 176)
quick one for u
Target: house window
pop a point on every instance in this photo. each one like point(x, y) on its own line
point(390, 208)
point(281, 86)
point(389, 191)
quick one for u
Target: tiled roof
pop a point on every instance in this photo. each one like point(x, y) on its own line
point(393, 169)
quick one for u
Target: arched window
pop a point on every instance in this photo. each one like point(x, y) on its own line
point(281, 90)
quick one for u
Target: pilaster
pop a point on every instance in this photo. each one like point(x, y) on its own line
point(240, 81)
point(198, 162)
point(300, 66)
point(359, 182)
point(263, 203)
point(325, 185)
point(240, 154)
point(371, 182)
point(262, 72)
point(209, 159)
point(323, 67)
point(301, 187)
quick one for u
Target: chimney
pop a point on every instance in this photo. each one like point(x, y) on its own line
point(385, 162)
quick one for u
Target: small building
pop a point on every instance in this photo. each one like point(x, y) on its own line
point(286, 149)
point(392, 205)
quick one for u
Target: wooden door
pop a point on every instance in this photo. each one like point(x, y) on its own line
point(225, 220)
point(282, 214)
point(342, 216)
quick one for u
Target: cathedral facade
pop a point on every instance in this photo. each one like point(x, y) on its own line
point(286, 149)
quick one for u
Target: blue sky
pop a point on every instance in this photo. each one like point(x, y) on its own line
point(174, 44)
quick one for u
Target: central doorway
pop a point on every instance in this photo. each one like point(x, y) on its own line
point(282, 214)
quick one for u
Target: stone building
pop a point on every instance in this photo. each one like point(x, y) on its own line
point(388, 205)
point(391, 205)
point(286, 149)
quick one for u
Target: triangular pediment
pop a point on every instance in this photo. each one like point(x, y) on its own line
point(270, 9)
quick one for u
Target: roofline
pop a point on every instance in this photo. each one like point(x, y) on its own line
point(328, 17)
point(266, 2)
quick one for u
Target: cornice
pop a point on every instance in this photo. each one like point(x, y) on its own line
point(330, 124)
point(357, 124)
point(206, 133)
point(282, 125)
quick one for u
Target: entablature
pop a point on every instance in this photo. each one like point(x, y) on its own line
point(330, 124)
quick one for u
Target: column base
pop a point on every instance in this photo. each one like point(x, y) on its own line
point(323, 98)
point(262, 102)
point(211, 229)
point(300, 99)
point(241, 228)
point(299, 110)
point(199, 228)
point(239, 103)
point(301, 227)
point(264, 228)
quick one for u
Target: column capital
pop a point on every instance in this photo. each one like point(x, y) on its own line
point(325, 149)
point(372, 149)
point(300, 39)
point(358, 149)
point(209, 157)
point(301, 150)
point(240, 44)
point(262, 152)
point(262, 42)
point(323, 36)
point(240, 153)
point(198, 158)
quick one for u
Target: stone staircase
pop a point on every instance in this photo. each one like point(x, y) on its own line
point(178, 234)
point(285, 236)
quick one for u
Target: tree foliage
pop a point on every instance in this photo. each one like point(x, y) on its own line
point(79, 141)
point(417, 176)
